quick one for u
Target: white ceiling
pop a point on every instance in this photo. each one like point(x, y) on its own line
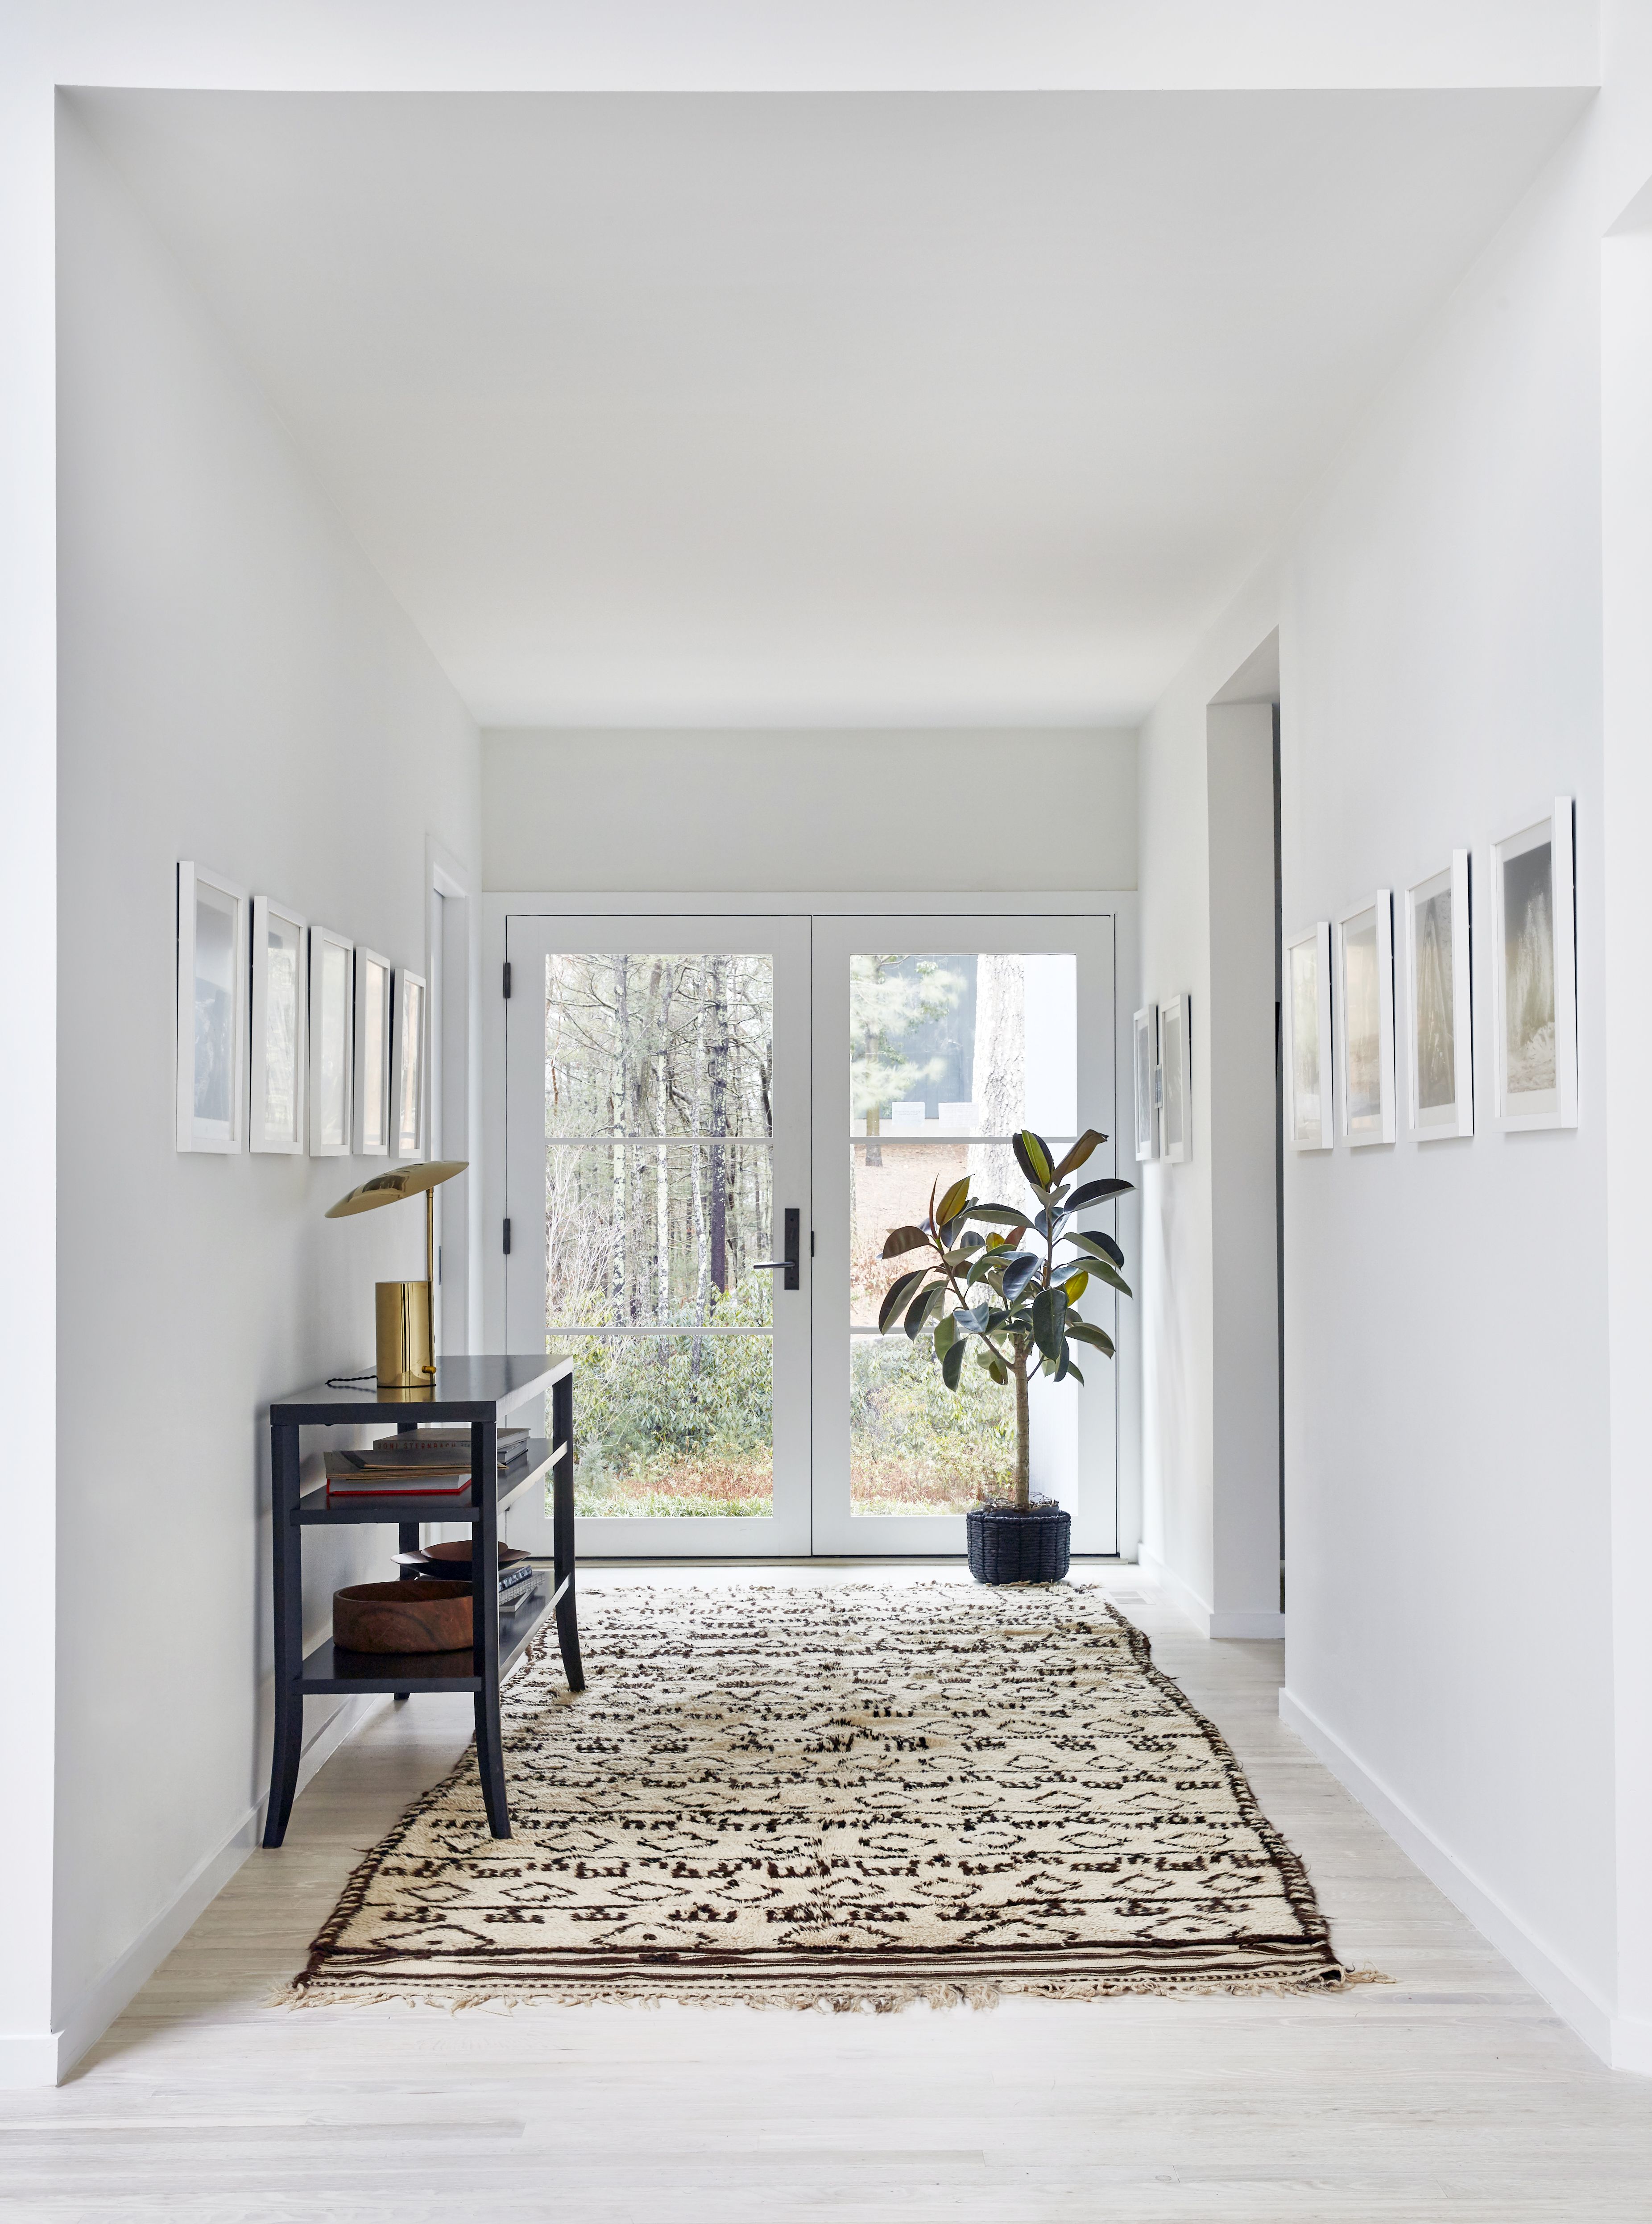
point(822, 410)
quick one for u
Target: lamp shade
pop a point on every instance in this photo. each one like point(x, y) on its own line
point(399, 1182)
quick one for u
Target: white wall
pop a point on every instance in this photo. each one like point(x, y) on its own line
point(1450, 1642)
point(236, 687)
point(1241, 1146)
point(702, 811)
point(1191, 852)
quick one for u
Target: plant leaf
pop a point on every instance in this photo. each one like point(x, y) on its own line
point(997, 1370)
point(894, 1295)
point(955, 1200)
point(1087, 1332)
point(1000, 1216)
point(952, 1363)
point(970, 1320)
point(925, 1306)
point(946, 1335)
point(1068, 1371)
point(1020, 1268)
point(1095, 1192)
point(1032, 1156)
point(1076, 1285)
point(1114, 1251)
point(1048, 1314)
point(904, 1239)
point(1091, 1139)
point(1104, 1271)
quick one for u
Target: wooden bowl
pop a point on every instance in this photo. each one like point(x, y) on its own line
point(421, 1617)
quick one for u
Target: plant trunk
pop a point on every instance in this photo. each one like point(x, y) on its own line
point(1023, 1448)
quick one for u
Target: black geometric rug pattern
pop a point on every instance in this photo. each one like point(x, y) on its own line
point(844, 1797)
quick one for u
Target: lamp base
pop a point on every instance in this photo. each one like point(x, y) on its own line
point(401, 1312)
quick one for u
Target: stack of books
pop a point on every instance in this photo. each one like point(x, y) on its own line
point(447, 1444)
point(362, 1475)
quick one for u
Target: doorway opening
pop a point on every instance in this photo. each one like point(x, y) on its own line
point(713, 1124)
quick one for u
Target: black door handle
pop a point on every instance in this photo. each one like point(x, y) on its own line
point(790, 1265)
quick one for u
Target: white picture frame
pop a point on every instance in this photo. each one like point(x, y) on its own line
point(275, 1065)
point(1310, 1120)
point(1534, 973)
point(1145, 1029)
point(1365, 1037)
point(1176, 1071)
point(375, 1004)
point(1440, 1003)
point(409, 1113)
point(210, 1078)
point(331, 1044)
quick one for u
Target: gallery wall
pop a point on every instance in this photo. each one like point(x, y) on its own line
point(1447, 1546)
point(237, 688)
point(856, 812)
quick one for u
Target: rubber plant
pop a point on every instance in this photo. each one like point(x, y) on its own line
point(1019, 1307)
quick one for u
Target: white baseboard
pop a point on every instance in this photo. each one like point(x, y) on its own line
point(47, 2057)
point(1204, 1617)
point(1616, 2042)
point(1265, 1623)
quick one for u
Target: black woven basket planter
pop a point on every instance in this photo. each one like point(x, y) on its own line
point(1006, 1547)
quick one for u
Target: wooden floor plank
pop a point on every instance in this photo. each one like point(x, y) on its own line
point(1453, 2093)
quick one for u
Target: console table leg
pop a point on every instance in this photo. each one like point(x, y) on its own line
point(484, 1608)
point(288, 1746)
point(408, 1535)
point(562, 1533)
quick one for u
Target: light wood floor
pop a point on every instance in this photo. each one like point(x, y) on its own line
point(1452, 2093)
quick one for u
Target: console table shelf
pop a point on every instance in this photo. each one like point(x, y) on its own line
point(313, 1506)
point(479, 1393)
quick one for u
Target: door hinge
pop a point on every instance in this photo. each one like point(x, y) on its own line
point(507, 976)
point(508, 1237)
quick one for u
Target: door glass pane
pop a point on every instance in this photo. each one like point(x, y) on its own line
point(949, 1055)
point(659, 1203)
point(963, 1045)
point(646, 1045)
point(917, 1447)
point(673, 1425)
point(659, 1233)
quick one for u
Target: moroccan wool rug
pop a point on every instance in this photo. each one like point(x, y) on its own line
point(843, 1798)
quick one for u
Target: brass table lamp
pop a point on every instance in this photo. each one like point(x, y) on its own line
point(406, 1353)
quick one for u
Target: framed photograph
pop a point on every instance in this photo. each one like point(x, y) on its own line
point(275, 1108)
point(1147, 1082)
point(1176, 1089)
point(211, 1077)
point(411, 1002)
point(1440, 1003)
point(1308, 1039)
point(1365, 945)
point(332, 1003)
point(1534, 974)
point(372, 1008)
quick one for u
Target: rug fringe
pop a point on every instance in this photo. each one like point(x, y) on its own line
point(805, 1998)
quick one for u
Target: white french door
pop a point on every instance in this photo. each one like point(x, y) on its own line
point(936, 1038)
point(657, 1129)
point(678, 1088)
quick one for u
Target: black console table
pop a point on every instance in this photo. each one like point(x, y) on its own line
point(478, 1391)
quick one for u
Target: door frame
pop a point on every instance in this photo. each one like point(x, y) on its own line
point(1122, 905)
